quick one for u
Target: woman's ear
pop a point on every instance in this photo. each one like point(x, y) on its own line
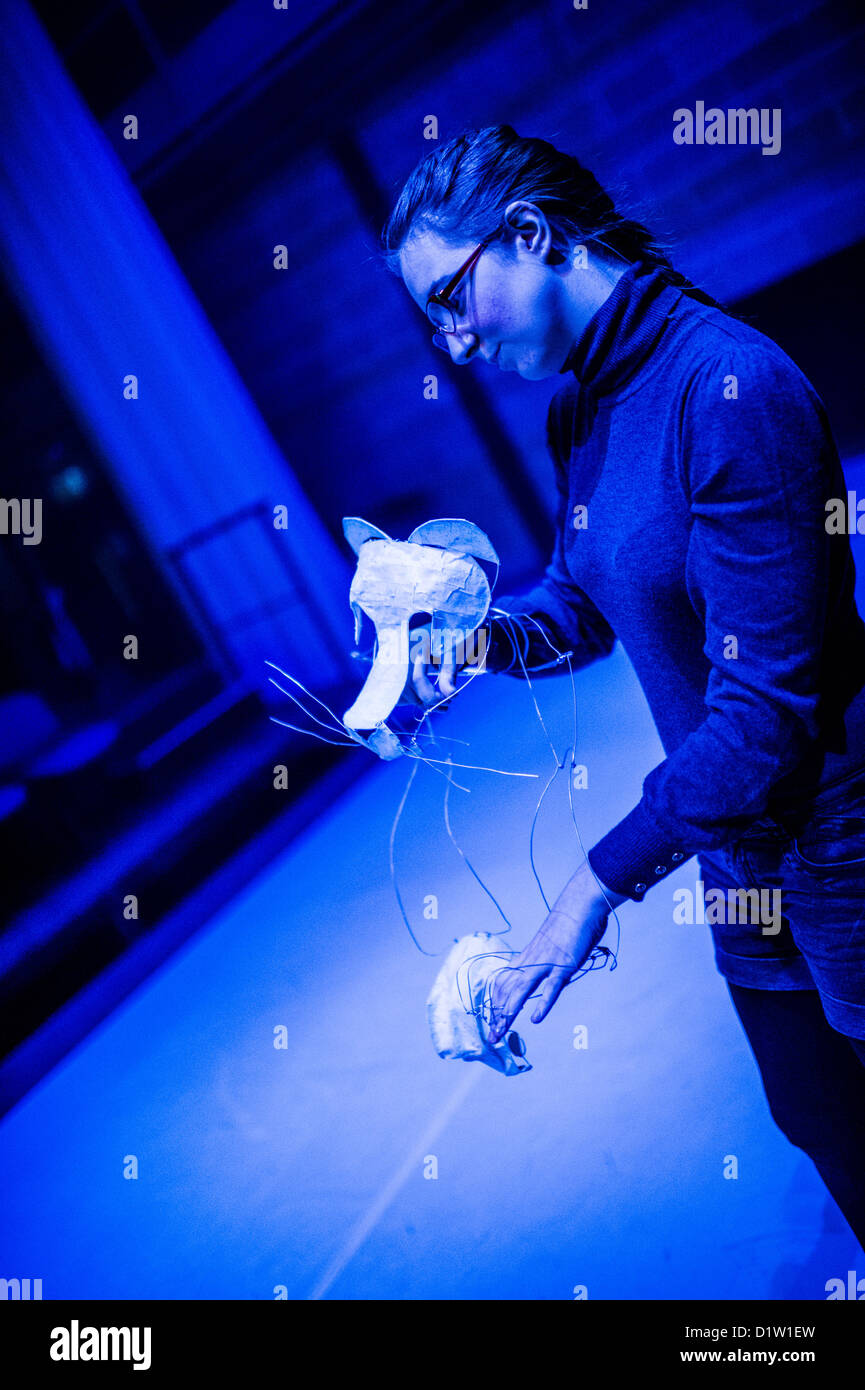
point(531, 226)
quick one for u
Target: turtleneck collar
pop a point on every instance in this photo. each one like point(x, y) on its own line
point(623, 332)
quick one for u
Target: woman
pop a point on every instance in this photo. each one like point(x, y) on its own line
point(694, 465)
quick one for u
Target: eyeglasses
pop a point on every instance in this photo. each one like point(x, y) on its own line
point(440, 310)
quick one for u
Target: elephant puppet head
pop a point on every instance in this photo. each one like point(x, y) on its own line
point(435, 571)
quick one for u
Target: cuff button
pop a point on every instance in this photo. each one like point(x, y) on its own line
point(660, 868)
point(676, 857)
point(639, 887)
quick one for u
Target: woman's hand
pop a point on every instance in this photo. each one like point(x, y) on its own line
point(573, 928)
point(445, 659)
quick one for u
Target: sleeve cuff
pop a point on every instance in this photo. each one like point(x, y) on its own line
point(635, 854)
point(543, 603)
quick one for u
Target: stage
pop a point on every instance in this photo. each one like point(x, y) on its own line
point(298, 1171)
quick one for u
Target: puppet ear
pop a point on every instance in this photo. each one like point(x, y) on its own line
point(356, 531)
point(452, 533)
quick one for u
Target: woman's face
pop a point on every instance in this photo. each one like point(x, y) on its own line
point(513, 308)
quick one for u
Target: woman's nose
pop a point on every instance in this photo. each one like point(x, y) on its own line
point(463, 345)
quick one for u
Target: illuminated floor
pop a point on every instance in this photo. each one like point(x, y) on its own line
point(304, 1168)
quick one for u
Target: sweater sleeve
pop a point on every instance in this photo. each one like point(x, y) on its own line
point(564, 609)
point(757, 470)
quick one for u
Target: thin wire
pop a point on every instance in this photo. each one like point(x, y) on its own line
point(305, 691)
point(337, 742)
point(558, 768)
point(595, 960)
point(517, 620)
point(599, 955)
point(574, 696)
point(411, 778)
point(431, 763)
point(598, 952)
point(485, 1010)
point(467, 965)
point(331, 728)
point(613, 953)
point(433, 738)
point(532, 833)
point(473, 767)
point(537, 708)
point(468, 863)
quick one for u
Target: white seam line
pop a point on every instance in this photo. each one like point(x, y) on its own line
point(379, 1206)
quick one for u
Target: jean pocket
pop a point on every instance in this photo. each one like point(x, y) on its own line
point(831, 842)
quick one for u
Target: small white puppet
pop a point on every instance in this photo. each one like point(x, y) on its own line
point(458, 1008)
point(435, 571)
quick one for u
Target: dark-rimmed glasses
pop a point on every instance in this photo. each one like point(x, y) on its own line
point(440, 311)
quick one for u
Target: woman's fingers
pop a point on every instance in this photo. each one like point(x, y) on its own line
point(421, 682)
point(440, 662)
point(554, 955)
point(510, 990)
point(556, 981)
point(446, 681)
point(506, 1006)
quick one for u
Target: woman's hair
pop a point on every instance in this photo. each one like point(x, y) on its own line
point(460, 191)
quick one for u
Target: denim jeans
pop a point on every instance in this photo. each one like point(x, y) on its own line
point(811, 866)
point(797, 978)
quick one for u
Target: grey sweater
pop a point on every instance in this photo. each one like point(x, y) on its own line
point(704, 462)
